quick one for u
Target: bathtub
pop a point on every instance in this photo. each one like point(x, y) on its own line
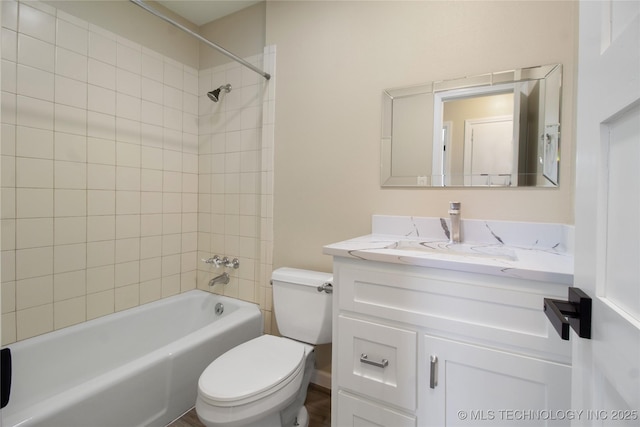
point(138, 367)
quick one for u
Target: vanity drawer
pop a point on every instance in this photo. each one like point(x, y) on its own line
point(378, 361)
point(507, 312)
point(356, 411)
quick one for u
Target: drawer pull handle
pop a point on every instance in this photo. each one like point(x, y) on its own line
point(382, 364)
point(433, 377)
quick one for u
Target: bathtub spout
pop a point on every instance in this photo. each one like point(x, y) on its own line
point(222, 278)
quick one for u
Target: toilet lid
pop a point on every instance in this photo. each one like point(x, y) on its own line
point(251, 368)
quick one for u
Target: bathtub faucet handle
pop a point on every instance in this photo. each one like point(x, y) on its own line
point(215, 260)
point(232, 263)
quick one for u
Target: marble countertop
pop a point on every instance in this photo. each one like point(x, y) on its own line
point(527, 259)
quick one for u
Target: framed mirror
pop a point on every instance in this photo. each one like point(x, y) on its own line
point(499, 129)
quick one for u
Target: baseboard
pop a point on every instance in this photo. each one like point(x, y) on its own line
point(321, 378)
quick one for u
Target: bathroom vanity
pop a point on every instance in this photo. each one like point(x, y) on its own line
point(428, 333)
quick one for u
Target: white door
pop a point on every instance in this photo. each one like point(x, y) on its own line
point(488, 151)
point(606, 368)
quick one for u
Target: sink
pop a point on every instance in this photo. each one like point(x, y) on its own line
point(459, 249)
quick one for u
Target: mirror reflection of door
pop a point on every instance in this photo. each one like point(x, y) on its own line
point(478, 109)
point(488, 151)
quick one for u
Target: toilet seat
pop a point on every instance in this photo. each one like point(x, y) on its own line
point(251, 371)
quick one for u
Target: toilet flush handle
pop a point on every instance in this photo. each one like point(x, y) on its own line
point(326, 287)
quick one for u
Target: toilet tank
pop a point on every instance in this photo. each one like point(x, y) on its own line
point(302, 312)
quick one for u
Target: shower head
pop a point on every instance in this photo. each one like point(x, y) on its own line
point(214, 95)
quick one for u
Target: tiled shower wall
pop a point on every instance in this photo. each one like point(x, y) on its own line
point(99, 174)
point(235, 179)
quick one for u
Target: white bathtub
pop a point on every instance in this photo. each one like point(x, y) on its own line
point(138, 367)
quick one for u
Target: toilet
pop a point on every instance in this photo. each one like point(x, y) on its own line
point(263, 382)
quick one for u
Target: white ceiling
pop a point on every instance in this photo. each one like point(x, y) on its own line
point(201, 12)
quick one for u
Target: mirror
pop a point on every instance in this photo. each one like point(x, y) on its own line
point(493, 130)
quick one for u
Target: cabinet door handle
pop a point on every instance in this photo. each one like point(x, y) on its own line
point(382, 364)
point(433, 378)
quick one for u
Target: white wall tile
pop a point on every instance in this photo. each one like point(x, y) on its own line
point(70, 92)
point(100, 202)
point(33, 112)
point(70, 202)
point(129, 58)
point(101, 151)
point(101, 253)
point(128, 83)
point(34, 203)
point(101, 177)
point(72, 37)
point(71, 148)
point(150, 268)
point(172, 162)
point(9, 76)
point(34, 321)
point(69, 312)
point(101, 74)
point(101, 100)
point(172, 181)
point(173, 74)
point(34, 262)
point(9, 45)
point(102, 47)
point(69, 64)
point(127, 178)
point(34, 232)
point(70, 119)
point(151, 202)
point(100, 304)
point(69, 257)
point(127, 297)
point(69, 285)
point(128, 130)
point(151, 135)
point(36, 53)
point(70, 230)
point(152, 67)
point(128, 107)
point(171, 223)
point(8, 171)
point(172, 203)
point(172, 118)
point(8, 264)
point(70, 175)
point(100, 279)
point(101, 227)
point(127, 250)
point(151, 247)
point(127, 273)
point(127, 202)
point(127, 226)
point(151, 113)
point(150, 180)
point(127, 154)
point(101, 125)
point(152, 90)
point(34, 173)
point(171, 244)
point(10, 14)
point(35, 83)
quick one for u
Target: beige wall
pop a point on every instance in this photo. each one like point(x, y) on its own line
point(334, 59)
point(241, 33)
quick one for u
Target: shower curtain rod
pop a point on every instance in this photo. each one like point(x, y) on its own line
point(202, 39)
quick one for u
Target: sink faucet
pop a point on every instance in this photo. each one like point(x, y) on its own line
point(454, 216)
point(222, 278)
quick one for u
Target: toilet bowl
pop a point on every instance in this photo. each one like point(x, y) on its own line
point(263, 382)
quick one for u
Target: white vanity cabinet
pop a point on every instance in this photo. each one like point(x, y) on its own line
point(418, 346)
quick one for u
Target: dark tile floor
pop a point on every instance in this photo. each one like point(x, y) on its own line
point(318, 404)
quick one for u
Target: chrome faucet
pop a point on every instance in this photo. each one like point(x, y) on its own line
point(454, 216)
point(222, 278)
